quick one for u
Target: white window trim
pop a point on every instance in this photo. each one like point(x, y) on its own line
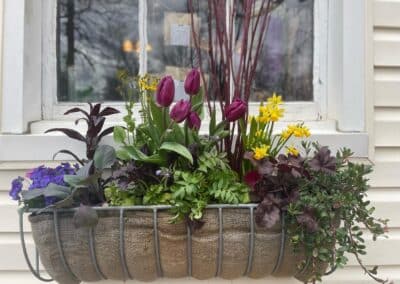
point(25, 89)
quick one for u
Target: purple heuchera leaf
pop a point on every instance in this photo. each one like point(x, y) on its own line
point(180, 111)
point(323, 161)
point(165, 92)
point(307, 219)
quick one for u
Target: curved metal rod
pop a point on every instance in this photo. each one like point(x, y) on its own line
point(333, 269)
point(59, 246)
point(93, 255)
point(282, 248)
point(189, 250)
point(22, 237)
point(122, 245)
point(220, 241)
point(156, 244)
point(251, 242)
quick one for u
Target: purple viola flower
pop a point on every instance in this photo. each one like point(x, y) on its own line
point(16, 187)
point(42, 176)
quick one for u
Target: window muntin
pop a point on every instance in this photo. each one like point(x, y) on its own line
point(112, 41)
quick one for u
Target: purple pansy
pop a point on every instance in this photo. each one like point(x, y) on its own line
point(16, 187)
point(41, 177)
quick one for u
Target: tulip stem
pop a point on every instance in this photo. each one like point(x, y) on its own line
point(164, 114)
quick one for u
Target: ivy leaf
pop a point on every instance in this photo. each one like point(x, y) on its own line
point(177, 148)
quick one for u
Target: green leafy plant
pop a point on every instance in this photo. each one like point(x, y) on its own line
point(323, 200)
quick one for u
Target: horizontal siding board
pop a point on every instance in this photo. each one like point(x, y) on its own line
point(386, 53)
point(387, 93)
point(387, 133)
point(386, 14)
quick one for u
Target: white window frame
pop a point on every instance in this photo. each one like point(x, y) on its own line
point(340, 80)
point(300, 110)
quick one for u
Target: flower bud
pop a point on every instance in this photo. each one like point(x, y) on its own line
point(235, 110)
point(165, 92)
point(192, 82)
point(193, 120)
point(180, 111)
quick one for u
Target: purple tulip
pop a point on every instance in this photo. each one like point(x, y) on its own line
point(193, 120)
point(180, 111)
point(192, 82)
point(235, 110)
point(165, 92)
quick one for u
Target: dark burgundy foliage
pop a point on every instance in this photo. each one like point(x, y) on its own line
point(323, 161)
point(129, 174)
point(308, 220)
point(94, 119)
point(275, 184)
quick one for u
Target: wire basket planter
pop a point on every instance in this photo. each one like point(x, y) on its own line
point(143, 245)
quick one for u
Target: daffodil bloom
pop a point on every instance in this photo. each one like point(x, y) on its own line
point(275, 100)
point(261, 152)
point(276, 113)
point(259, 133)
point(291, 150)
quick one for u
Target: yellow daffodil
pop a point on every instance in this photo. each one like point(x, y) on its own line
point(259, 133)
point(291, 150)
point(276, 113)
point(147, 83)
point(275, 100)
point(261, 152)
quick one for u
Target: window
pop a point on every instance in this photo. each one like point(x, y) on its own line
point(96, 38)
point(342, 35)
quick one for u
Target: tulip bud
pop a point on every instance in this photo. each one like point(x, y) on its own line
point(235, 110)
point(192, 82)
point(193, 120)
point(180, 111)
point(165, 92)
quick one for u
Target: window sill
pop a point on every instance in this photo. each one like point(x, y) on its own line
point(41, 147)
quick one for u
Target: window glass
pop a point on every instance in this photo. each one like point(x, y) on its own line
point(95, 39)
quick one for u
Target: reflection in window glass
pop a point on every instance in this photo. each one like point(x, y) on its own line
point(95, 39)
point(171, 48)
point(286, 62)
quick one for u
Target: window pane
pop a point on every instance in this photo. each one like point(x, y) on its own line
point(286, 62)
point(95, 39)
point(171, 48)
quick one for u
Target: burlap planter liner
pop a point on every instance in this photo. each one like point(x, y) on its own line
point(139, 244)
